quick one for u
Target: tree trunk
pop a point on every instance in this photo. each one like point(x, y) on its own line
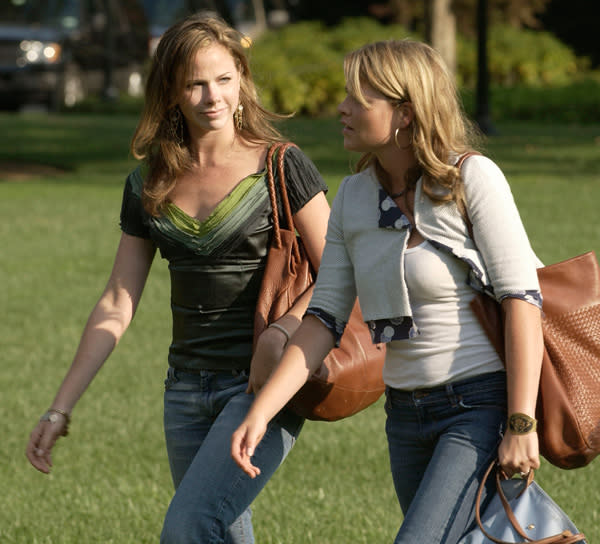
point(402, 12)
point(260, 14)
point(440, 29)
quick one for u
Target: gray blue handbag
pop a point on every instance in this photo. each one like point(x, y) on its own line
point(520, 512)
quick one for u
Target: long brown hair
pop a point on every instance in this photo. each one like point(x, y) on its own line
point(411, 71)
point(161, 137)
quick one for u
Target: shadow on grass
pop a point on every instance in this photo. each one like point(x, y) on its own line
point(63, 143)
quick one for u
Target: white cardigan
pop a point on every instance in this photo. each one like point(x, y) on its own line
point(361, 258)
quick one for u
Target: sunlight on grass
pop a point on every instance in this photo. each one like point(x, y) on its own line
point(111, 481)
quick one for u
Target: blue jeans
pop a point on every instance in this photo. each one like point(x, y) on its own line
point(440, 441)
point(213, 495)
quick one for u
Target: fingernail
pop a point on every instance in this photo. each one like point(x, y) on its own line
point(39, 452)
point(250, 452)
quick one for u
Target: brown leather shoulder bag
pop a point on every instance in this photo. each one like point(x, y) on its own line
point(350, 377)
point(568, 405)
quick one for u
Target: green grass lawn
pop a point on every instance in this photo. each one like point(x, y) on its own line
point(111, 482)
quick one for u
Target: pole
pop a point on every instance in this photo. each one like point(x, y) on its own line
point(110, 91)
point(482, 113)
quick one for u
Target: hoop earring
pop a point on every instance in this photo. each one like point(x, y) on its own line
point(396, 138)
point(238, 117)
point(408, 146)
point(175, 128)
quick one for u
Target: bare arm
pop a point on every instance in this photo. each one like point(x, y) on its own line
point(305, 352)
point(311, 223)
point(107, 322)
point(524, 350)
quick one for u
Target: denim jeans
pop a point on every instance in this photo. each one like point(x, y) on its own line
point(440, 441)
point(213, 495)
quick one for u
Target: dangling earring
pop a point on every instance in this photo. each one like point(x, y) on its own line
point(175, 128)
point(396, 140)
point(238, 117)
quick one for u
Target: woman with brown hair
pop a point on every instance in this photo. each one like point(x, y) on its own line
point(200, 196)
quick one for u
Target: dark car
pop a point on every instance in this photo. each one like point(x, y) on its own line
point(57, 52)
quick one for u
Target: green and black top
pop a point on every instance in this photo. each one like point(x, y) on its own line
point(216, 265)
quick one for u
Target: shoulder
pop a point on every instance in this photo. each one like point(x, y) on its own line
point(357, 191)
point(360, 183)
point(480, 166)
point(480, 173)
point(302, 178)
point(135, 181)
point(301, 171)
point(296, 159)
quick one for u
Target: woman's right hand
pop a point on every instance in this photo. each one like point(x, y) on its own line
point(42, 440)
point(244, 442)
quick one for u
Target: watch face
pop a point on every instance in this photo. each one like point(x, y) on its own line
point(53, 418)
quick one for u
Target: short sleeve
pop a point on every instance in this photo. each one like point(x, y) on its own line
point(303, 180)
point(134, 219)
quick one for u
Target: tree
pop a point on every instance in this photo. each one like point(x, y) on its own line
point(440, 29)
point(259, 13)
point(411, 13)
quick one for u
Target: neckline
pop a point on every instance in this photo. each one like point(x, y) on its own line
point(187, 222)
point(416, 248)
point(398, 194)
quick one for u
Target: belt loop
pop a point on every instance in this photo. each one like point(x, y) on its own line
point(453, 398)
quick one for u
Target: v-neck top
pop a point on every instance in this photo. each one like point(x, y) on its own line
point(216, 265)
point(193, 227)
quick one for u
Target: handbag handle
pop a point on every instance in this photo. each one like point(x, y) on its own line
point(462, 203)
point(566, 537)
point(280, 149)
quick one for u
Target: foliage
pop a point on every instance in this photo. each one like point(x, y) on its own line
point(516, 13)
point(300, 67)
point(296, 78)
point(110, 482)
point(412, 13)
point(574, 103)
point(577, 102)
point(520, 57)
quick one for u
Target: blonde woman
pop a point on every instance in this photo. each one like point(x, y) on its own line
point(200, 197)
point(398, 238)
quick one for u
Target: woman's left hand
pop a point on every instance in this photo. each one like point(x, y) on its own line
point(518, 454)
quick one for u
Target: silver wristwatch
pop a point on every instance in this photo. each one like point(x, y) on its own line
point(52, 417)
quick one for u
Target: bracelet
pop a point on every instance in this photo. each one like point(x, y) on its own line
point(519, 423)
point(282, 329)
point(50, 416)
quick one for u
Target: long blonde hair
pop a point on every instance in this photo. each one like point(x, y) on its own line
point(161, 137)
point(411, 71)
